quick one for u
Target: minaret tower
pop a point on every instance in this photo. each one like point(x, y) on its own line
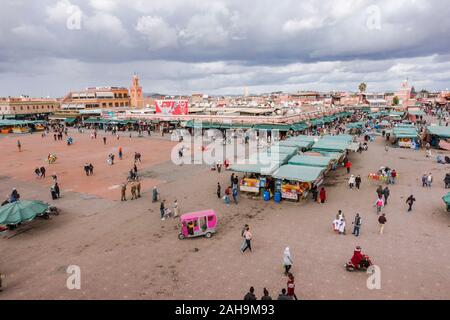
point(136, 99)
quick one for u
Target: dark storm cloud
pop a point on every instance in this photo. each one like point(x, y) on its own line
point(221, 46)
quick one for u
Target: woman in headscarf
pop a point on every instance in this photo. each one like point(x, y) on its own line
point(287, 260)
point(155, 194)
point(342, 226)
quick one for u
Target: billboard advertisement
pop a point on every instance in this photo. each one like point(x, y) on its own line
point(172, 107)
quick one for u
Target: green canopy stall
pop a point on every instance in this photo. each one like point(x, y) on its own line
point(296, 180)
point(21, 211)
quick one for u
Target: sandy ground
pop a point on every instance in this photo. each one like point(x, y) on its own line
point(125, 251)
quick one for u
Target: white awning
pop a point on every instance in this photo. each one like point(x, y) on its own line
point(105, 95)
point(354, 146)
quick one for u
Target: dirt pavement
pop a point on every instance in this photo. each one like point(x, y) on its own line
point(125, 251)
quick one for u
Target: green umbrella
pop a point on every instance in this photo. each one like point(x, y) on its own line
point(19, 211)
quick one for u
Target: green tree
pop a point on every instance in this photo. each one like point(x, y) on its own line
point(395, 101)
point(362, 87)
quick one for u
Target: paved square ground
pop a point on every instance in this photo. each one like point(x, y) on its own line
point(125, 251)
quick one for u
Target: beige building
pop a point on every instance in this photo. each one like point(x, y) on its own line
point(92, 101)
point(19, 106)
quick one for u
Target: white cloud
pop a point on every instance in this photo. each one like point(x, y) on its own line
point(205, 30)
point(157, 32)
point(61, 11)
point(295, 25)
point(32, 33)
point(104, 5)
point(107, 25)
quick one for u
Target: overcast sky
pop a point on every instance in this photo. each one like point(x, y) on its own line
point(219, 47)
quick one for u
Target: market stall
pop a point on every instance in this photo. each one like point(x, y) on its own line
point(303, 137)
point(312, 161)
point(439, 136)
point(294, 182)
point(277, 148)
point(299, 144)
point(405, 137)
point(256, 176)
point(330, 146)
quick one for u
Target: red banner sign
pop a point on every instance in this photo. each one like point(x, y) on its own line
point(172, 107)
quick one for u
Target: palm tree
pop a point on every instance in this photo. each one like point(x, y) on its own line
point(362, 87)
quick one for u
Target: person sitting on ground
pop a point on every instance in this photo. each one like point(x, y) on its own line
point(15, 196)
point(250, 295)
point(283, 295)
point(266, 295)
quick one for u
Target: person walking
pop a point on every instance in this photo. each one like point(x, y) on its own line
point(120, 153)
point(382, 221)
point(86, 169)
point(104, 140)
point(162, 209)
point(91, 169)
point(342, 226)
point(447, 181)
point(291, 286)
point(357, 225)
point(393, 176)
point(250, 295)
point(358, 181)
point(351, 181)
point(266, 295)
point(133, 190)
point(19, 146)
point(42, 172)
point(322, 195)
point(57, 190)
point(138, 187)
point(410, 202)
point(379, 204)
point(218, 190)
point(248, 239)
point(155, 194)
point(53, 192)
point(380, 191)
point(348, 165)
point(336, 225)
point(386, 193)
point(226, 197)
point(429, 180)
point(424, 180)
point(37, 172)
point(287, 261)
point(176, 209)
point(235, 195)
point(123, 192)
point(314, 193)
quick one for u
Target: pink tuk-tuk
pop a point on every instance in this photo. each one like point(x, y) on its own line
point(195, 224)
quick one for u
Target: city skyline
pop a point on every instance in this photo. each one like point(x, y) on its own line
point(222, 47)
